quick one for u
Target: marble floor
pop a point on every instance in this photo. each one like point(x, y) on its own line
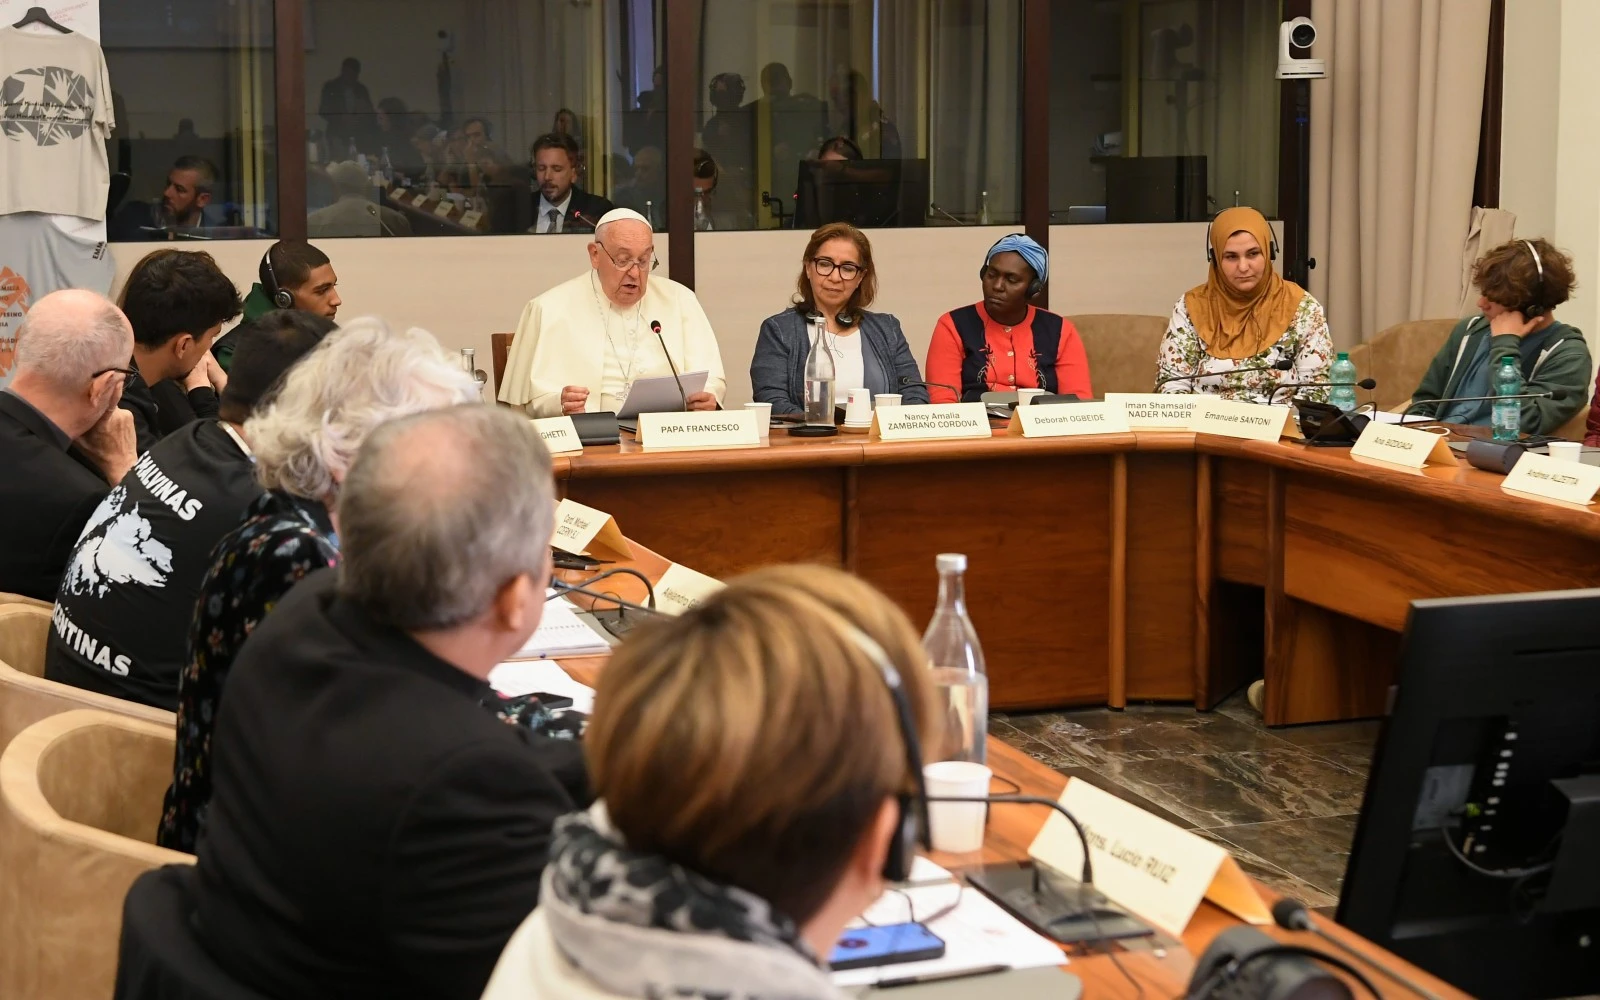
point(1283, 801)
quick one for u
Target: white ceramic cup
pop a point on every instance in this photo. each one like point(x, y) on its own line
point(763, 417)
point(956, 827)
point(1566, 451)
point(886, 399)
point(858, 408)
point(1025, 396)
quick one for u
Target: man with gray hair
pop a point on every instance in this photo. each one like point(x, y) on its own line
point(373, 830)
point(64, 442)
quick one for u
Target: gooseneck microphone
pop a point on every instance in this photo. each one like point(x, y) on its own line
point(572, 588)
point(581, 219)
point(1087, 875)
point(1279, 366)
point(1556, 393)
point(1291, 915)
point(1367, 383)
point(936, 210)
point(908, 380)
point(655, 327)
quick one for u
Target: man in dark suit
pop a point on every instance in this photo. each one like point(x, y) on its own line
point(562, 206)
point(63, 440)
point(373, 830)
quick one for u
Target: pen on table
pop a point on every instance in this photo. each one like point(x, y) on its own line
point(939, 977)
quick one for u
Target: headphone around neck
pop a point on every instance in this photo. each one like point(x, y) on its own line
point(845, 318)
point(913, 826)
point(1536, 308)
point(281, 297)
point(1034, 287)
point(1272, 245)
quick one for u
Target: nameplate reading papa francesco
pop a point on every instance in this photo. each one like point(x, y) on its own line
point(560, 435)
point(710, 429)
point(1543, 476)
point(930, 422)
point(1406, 446)
point(1143, 862)
point(1067, 419)
point(581, 529)
point(1235, 419)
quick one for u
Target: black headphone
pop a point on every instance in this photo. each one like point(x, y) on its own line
point(1537, 307)
point(845, 319)
point(281, 297)
point(1034, 287)
point(1272, 244)
point(912, 828)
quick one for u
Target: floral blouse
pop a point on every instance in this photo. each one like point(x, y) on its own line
point(1306, 343)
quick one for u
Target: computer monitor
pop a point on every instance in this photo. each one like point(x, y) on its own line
point(864, 193)
point(1477, 854)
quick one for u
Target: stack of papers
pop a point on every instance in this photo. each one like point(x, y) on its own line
point(516, 678)
point(562, 633)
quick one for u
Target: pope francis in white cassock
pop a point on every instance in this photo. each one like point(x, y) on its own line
point(580, 345)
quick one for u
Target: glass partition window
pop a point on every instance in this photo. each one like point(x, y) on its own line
point(191, 160)
point(475, 117)
point(1162, 110)
point(883, 113)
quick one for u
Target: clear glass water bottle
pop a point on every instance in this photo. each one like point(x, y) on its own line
point(1507, 418)
point(960, 682)
point(1343, 370)
point(820, 375)
point(983, 208)
point(469, 364)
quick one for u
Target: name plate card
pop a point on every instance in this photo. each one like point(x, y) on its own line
point(584, 530)
point(1067, 419)
point(1232, 418)
point(420, 200)
point(681, 588)
point(1553, 479)
point(1404, 446)
point(709, 429)
point(930, 422)
point(1153, 868)
point(444, 208)
point(1157, 411)
point(560, 435)
point(398, 194)
point(471, 219)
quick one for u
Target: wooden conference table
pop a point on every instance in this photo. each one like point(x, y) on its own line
point(1162, 566)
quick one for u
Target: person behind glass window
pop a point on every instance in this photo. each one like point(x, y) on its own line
point(1244, 317)
point(563, 206)
point(182, 206)
point(837, 283)
point(726, 854)
point(1003, 343)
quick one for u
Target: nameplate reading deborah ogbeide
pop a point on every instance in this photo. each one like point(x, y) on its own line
point(1404, 446)
point(930, 422)
point(560, 435)
point(1157, 411)
point(1067, 420)
point(1143, 862)
point(1235, 419)
point(583, 530)
point(707, 429)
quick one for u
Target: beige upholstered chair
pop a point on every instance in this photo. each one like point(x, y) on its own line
point(1122, 350)
point(80, 798)
point(24, 632)
point(1398, 358)
point(9, 598)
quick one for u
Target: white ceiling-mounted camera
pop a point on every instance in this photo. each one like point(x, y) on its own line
point(1298, 35)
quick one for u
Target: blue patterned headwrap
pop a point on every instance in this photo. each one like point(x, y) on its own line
point(1036, 256)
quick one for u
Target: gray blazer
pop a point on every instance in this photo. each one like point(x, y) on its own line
point(778, 370)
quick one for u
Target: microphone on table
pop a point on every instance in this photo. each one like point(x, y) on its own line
point(573, 588)
point(1033, 800)
point(1291, 915)
point(1277, 366)
point(1556, 393)
point(579, 217)
point(655, 327)
point(936, 210)
point(908, 380)
point(1367, 383)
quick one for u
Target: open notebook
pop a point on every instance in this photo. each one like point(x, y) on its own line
point(562, 633)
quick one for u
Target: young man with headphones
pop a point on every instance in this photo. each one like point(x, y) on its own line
point(1519, 285)
point(1003, 343)
point(292, 274)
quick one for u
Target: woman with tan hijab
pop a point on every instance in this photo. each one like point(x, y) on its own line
point(1244, 319)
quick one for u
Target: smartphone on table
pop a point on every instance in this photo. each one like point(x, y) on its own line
point(891, 944)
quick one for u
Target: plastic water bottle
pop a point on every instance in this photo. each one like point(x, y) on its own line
point(983, 208)
point(386, 166)
point(820, 375)
point(960, 682)
point(1343, 370)
point(1507, 417)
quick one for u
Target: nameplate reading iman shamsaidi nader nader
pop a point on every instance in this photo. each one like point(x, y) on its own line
point(1067, 420)
point(710, 429)
point(1553, 479)
point(584, 530)
point(560, 435)
point(1404, 446)
point(1235, 419)
point(1157, 411)
point(930, 422)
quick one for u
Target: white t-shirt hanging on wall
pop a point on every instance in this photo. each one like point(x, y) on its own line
point(55, 116)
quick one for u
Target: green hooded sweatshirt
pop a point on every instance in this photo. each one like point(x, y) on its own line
point(256, 305)
point(1562, 363)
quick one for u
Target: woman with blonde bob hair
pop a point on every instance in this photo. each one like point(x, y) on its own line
point(303, 442)
point(752, 771)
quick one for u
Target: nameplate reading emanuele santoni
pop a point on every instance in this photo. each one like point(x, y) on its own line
point(935, 421)
point(1232, 418)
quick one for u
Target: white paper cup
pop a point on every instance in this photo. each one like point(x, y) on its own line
point(956, 827)
point(858, 408)
point(1566, 451)
point(1025, 396)
point(763, 417)
point(886, 399)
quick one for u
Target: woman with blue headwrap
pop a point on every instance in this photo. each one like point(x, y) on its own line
point(1002, 343)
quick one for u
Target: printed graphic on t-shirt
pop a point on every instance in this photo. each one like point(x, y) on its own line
point(48, 104)
point(13, 306)
point(124, 552)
